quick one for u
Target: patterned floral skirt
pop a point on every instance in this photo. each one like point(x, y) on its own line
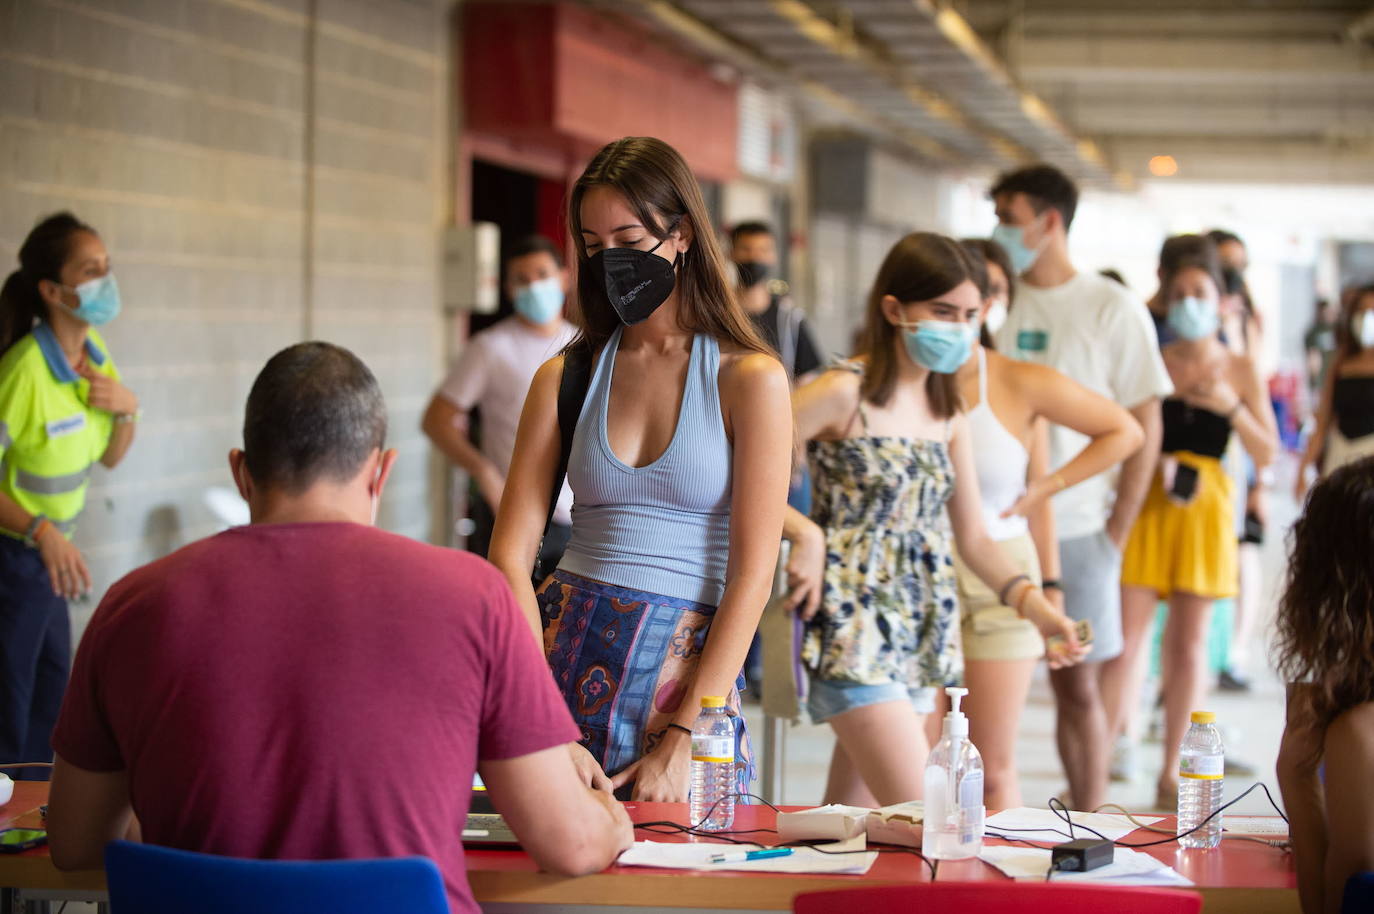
point(623, 660)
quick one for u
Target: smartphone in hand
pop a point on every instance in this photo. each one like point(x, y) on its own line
point(1082, 628)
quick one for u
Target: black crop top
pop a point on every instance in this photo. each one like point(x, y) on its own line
point(1198, 431)
point(1352, 402)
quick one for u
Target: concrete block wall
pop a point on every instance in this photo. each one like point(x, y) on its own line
point(262, 171)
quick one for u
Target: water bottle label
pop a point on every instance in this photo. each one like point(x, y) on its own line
point(1201, 767)
point(970, 824)
point(713, 749)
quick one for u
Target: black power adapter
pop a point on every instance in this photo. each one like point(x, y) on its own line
point(1081, 855)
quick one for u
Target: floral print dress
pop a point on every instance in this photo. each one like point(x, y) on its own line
point(889, 601)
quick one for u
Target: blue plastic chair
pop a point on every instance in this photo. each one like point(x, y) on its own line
point(1359, 894)
point(144, 879)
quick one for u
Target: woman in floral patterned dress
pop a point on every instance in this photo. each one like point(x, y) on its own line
point(873, 573)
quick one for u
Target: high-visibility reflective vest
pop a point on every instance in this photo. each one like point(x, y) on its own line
point(49, 438)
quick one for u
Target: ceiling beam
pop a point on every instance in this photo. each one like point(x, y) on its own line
point(1361, 27)
point(1250, 159)
point(1201, 61)
point(748, 60)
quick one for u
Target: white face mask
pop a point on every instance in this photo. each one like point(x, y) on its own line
point(996, 316)
point(1362, 325)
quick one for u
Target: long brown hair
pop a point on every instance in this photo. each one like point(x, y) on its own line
point(1325, 624)
point(42, 256)
point(659, 187)
point(920, 267)
point(984, 252)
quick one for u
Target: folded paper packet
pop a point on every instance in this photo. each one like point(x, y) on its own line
point(827, 823)
point(899, 824)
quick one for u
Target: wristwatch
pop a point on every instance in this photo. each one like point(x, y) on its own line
point(30, 535)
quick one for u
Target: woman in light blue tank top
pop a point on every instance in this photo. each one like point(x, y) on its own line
point(679, 469)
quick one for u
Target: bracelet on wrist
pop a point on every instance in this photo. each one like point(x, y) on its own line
point(1006, 588)
point(126, 418)
point(687, 730)
point(35, 530)
point(1051, 584)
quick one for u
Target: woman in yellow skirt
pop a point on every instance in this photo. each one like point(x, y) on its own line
point(1183, 546)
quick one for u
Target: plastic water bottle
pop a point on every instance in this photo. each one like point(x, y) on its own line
point(953, 816)
point(712, 800)
point(1201, 763)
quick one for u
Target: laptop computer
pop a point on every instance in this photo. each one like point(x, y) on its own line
point(484, 827)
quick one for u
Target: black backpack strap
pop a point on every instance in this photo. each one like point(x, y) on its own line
point(572, 393)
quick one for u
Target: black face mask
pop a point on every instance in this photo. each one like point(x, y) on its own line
point(635, 282)
point(752, 272)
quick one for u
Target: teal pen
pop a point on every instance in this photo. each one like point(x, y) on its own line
point(742, 856)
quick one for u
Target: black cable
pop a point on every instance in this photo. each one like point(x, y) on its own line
point(1065, 815)
point(886, 849)
point(1026, 841)
point(677, 828)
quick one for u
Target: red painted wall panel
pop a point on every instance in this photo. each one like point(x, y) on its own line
point(572, 79)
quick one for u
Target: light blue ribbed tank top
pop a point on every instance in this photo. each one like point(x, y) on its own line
point(664, 527)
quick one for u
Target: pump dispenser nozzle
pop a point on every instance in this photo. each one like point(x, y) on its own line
point(956, 724)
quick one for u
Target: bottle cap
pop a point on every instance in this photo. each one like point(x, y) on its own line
point(1204, 717)
point(712, 701)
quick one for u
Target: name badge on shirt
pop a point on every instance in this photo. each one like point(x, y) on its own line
point(59, 428)
point(1032, 340)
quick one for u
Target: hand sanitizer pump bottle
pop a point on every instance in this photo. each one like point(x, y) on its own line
point(953, 820)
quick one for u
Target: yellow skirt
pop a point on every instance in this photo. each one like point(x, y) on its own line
point(1188, 548)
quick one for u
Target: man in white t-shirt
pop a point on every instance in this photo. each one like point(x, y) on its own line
point(493, 374)
point(1098, 333)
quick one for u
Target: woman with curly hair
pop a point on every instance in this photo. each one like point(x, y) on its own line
point(1325, 646)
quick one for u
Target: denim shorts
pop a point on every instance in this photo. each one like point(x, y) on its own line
point(829, 697)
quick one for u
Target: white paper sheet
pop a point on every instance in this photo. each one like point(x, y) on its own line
point(697, 856)
point(1128, 867)
point(1043, 825)
point(1265, 826)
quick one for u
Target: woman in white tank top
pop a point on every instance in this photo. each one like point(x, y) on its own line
point(1009, 404)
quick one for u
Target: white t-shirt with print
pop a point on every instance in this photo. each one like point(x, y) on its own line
point(1100, 334)
point(493, 373)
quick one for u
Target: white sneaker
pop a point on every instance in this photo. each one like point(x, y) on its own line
point(1124, 763)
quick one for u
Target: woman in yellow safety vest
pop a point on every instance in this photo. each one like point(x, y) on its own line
point(62, 408)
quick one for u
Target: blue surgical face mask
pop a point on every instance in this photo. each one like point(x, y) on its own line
point(1193, 318)
point(541, 301)
point(1012, 238)
point(99, 301)
point(940, 346)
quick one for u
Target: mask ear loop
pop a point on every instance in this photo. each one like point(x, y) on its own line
point(672, 227)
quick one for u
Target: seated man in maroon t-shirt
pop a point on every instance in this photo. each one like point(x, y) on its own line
point(311, 687)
